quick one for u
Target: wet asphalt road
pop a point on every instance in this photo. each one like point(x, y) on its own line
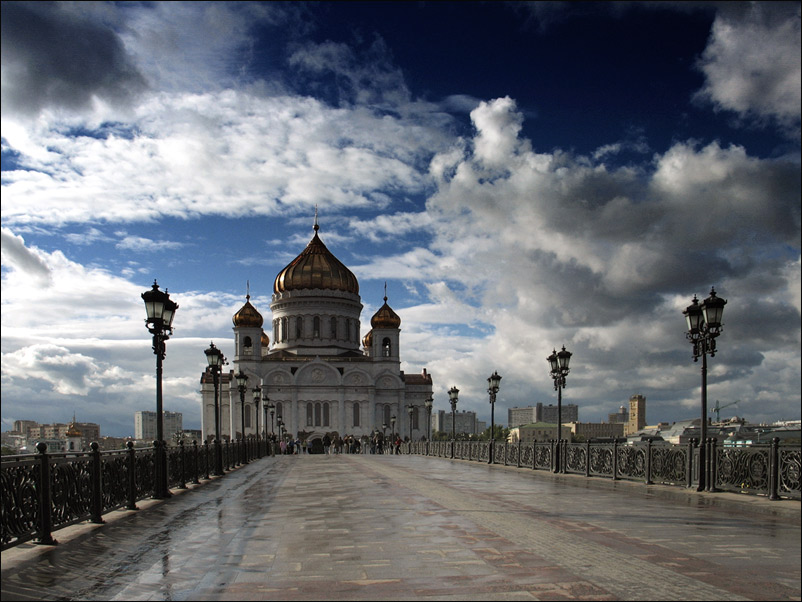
point(408, 527)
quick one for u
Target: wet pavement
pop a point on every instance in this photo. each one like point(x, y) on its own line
point(414, 528)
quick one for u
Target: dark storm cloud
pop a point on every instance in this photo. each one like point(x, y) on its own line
point(52, 57)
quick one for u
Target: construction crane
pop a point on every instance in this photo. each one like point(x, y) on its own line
point(717, 409)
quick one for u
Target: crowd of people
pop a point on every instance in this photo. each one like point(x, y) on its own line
point(334, 444)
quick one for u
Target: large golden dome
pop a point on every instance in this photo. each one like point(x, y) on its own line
point(385, 317)
point(316, 268)
point(248, 316)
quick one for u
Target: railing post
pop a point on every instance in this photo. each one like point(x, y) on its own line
point(691, 445)
point(534, 454)
point(96, 510)
point(615, 460)
point(519, 453)
point(206, 455)
point(131, 477)
point(587, 458)
point(182, 482)
point(711, 466)
point(45, 516)
point(774, 469)
point(648, 475)
point(195, 479)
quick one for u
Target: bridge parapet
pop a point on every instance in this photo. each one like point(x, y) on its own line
point(768, 469)
point(48, 491)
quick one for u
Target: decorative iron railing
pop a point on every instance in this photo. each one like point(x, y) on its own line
point(765, 469)
point(44, 492)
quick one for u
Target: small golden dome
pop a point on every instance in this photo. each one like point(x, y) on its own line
point(385, 317)
point(265, 340)
point(316, 268)
point(248, 316)
point(367, 340)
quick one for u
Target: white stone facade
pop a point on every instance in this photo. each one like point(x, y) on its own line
point(315, 371)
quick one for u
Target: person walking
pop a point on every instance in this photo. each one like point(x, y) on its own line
point(326, 444)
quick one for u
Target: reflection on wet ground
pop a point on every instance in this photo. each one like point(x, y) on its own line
point(408, 527)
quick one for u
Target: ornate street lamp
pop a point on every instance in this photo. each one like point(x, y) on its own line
point(453, 397)
point(704, 325)
point(242, 386)
point(257, 397)
point(492, 388)
point(429, 403)
point(216, 360)
point(160, 311)
point(272, 409)
point(558, 363)
point(392, 433)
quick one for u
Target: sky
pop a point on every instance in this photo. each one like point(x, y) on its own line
point(522, 176)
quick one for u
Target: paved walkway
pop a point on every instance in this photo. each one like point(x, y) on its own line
point(408, 527)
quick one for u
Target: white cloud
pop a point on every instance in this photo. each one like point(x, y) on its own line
point(228, 153)
point(746, 74)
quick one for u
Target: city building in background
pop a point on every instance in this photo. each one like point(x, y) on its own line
point(637, 414)
point(464, 423)
point(540, 432)
point(585, 431)
point(619, 417)
point(540, 413)
point(145, 425)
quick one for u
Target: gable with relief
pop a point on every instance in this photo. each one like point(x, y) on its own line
point(318, 375)
point(357, 379)
point(388, 381)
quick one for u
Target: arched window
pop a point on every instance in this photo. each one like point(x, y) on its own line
point(386, 347)
point(299, 327)
point(309, 415)
point(278, 409)
point(284, 335)
point(247, 344)
point(317, 414)
point(415, 418)
point(316, 327)
point(247, 416)
point(334, 329)
point(326, 414)
point(386, 415)
point(275, 330)
point(356, 414)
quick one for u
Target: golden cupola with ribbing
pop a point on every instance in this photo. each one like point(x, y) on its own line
point(316, 268)
point(248, 316)
point(248, 340)
point(316, 304)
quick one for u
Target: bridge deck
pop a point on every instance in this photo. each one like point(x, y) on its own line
point(409, 527)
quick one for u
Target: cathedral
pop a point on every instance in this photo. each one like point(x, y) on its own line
point(317, 374)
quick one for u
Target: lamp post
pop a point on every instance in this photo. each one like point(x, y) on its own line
point(429, 403)
point(242, 386)
point(216, 360)
point(272, 409)
point(453, 397)
point(492, 388)
point(392, 433)
point(558, 363)
point(704, 325)
point(160, 313)
point(410, 410)
point(257, 397)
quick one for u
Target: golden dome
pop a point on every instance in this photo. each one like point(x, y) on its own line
point(316, 268)
point(367, 340)
point(265, 340)
point(248, 316)
point(385, 317)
